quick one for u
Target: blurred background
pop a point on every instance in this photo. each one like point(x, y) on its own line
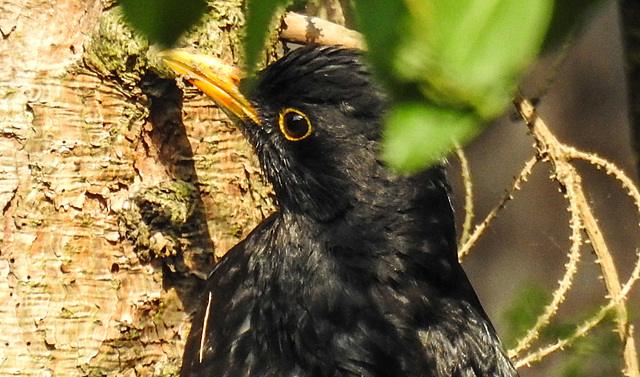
point(518, 261)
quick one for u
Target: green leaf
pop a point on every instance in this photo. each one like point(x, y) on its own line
point(259, 16)
point(421, 133)
point(477, 51)
point(462, 60)
point(163, 21)
point(382, 23)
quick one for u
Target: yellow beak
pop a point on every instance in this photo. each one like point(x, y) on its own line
point(218, 80)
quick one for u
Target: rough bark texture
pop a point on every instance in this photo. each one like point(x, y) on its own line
point(116, 187)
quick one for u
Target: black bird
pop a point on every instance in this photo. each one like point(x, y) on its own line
point(356, 274)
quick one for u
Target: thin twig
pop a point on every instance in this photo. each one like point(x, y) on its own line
point(583, 329)
point(609, 168)
point(477, 232)
point(632, 189)
point(570, 180)
point(468, 197)
point(563, 287)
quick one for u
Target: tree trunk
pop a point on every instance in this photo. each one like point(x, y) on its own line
point(116, 189)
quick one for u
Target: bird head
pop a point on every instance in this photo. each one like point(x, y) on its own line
point(313, 119)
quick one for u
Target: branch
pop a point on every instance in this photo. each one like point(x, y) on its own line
point(558, 154)
point(305, 29)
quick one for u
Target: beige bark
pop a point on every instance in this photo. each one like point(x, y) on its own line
point(115, 189)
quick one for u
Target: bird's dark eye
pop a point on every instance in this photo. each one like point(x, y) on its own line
point(294, 124)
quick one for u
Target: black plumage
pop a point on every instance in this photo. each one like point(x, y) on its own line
point(356, 274)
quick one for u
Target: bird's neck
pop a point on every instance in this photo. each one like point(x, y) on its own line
point(393, 252)
point(386, 227)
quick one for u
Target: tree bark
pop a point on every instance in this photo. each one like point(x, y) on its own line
point(116, 189)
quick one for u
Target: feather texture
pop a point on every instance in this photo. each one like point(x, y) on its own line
point(356, 274)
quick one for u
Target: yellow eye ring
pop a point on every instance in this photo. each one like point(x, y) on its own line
point(294, 124)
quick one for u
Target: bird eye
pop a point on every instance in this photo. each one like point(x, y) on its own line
point(294, 125)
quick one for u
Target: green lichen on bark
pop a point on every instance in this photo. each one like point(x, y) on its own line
point(220, 31)
point(159, 220)
point(116, 50)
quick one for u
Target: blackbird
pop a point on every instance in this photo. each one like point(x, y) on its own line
point(356, 273)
